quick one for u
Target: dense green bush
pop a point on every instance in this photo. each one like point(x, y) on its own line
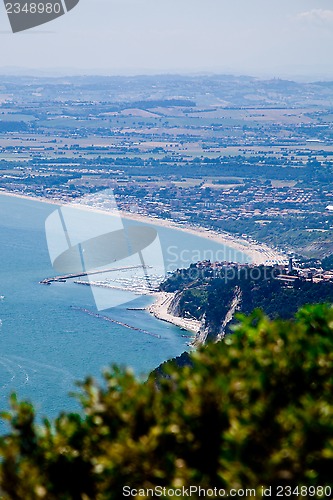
point(327, 262)
point(253, 410)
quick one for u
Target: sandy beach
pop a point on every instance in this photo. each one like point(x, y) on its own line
point(160, 308)
point(258, 253)
point(31, 198)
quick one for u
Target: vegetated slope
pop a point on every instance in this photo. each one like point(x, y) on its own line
point(212, 294)
point(327, 262)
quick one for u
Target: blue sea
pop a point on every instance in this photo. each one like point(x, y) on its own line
point(47, 341)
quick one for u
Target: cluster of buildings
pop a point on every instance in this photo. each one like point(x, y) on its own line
point(288, 274)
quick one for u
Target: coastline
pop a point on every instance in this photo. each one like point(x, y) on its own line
point(160, 307)
point(40, 199)
point(258, 253)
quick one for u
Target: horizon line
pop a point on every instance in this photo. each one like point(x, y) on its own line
point(21, 72)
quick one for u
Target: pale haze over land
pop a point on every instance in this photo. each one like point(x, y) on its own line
point(269, 38)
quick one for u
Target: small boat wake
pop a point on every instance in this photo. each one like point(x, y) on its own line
point(15, 375)
point(17, 372)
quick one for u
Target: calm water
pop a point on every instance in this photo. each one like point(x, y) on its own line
point(46, 343)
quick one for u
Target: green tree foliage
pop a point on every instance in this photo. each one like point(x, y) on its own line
point(327, 263)
point(253, 410)
point(210, 293)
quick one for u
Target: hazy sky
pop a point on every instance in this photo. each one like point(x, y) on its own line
point(256, 37)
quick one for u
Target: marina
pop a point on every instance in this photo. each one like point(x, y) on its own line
point(57, 332)
point(65, 277)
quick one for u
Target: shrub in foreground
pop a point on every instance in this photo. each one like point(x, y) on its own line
point(255, 410)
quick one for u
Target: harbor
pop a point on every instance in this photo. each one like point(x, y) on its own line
point(65, 277)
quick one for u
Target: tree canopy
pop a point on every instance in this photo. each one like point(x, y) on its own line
point(254, 410)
